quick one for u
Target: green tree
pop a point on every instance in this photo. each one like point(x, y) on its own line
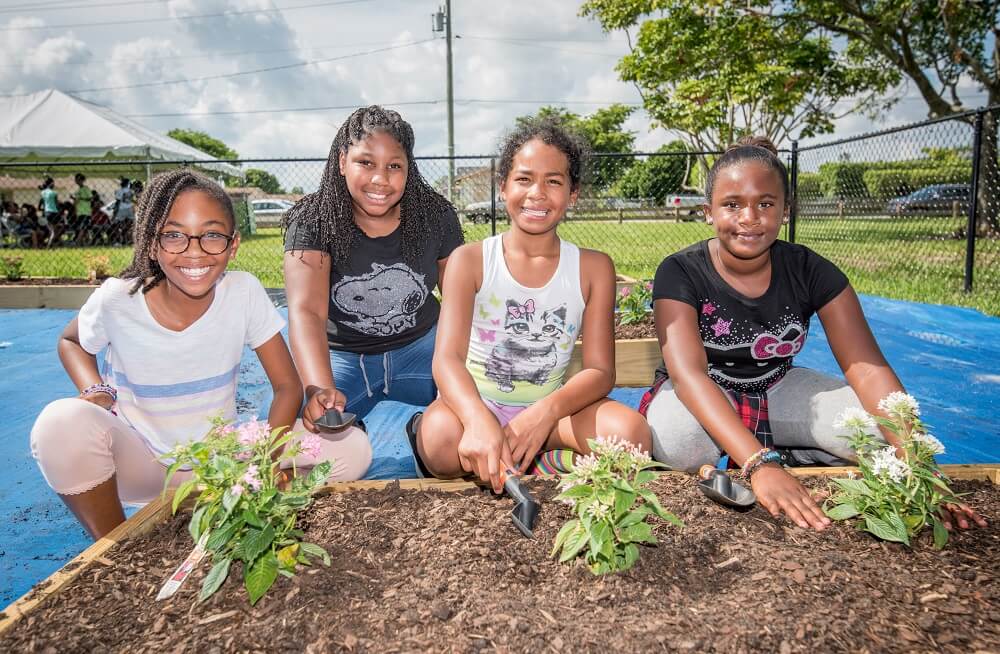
point(656, 177)
point(714, 70)
point(263, 180)
point(935, 44)
point(297, 190)
point(203, 142)
point(605, 134)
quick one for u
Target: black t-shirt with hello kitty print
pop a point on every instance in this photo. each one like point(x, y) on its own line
point(750, 342)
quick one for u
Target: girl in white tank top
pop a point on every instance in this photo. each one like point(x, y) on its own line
point(512, 309)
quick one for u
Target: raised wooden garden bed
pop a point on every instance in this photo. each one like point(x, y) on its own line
point(44, 296)
point(415, 569)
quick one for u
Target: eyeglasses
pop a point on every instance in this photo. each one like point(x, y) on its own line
point(210, 242)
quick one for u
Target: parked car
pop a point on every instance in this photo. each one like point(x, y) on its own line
point(479, 212)
point(933, 198)
point(689, 204)
point(269, 211)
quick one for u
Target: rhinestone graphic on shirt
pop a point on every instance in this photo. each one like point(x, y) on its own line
point(384, 301)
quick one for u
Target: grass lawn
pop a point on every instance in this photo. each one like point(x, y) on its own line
point(909, 258)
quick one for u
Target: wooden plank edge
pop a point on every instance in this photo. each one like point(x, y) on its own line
point(150, 515)
point(142, 521)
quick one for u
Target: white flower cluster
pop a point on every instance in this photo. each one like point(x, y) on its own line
point(614, 444)
point(885, 461)
point(899, 404)
point(598, 511)
point(853, 419)
point(929, 442)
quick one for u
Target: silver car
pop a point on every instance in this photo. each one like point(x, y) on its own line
point(269, 211)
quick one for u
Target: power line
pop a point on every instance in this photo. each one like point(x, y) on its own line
point(238, 74)
point(34, 8)
point(159, 20)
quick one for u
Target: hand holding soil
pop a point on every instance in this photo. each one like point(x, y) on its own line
point(961, 514)
point(779, 492)
point(527, 433)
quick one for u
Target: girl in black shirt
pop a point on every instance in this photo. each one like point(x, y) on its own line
point(731, 313)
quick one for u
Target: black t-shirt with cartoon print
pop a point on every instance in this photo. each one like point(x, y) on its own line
point(750, 342)
point(377, 301)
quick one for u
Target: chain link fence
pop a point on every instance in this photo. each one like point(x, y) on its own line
point(892, 208)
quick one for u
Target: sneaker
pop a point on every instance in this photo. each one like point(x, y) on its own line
point(411, 433)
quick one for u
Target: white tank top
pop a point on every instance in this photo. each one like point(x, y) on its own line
point(522, 338)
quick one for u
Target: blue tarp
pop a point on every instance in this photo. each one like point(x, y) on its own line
point(946, 356)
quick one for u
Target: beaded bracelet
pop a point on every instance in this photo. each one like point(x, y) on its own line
point(101, 388)
point(757, 459)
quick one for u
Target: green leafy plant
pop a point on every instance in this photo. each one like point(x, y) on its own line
point(898, 493)
point(12, 268)
point(607, 490)
point(247, 516)
point(633, 303)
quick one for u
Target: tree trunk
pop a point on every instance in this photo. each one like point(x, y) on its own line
point(988, 194)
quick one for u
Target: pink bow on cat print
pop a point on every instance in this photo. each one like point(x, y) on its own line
point(522, 310)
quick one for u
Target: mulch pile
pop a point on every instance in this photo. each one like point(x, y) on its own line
point(418, 571)
point(644, 329)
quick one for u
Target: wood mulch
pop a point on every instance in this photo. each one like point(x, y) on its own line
point(425, 570)
point(644, 329)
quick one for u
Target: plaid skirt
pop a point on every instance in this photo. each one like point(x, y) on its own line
point(750, 407)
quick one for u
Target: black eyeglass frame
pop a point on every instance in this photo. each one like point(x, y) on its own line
point(188, 238)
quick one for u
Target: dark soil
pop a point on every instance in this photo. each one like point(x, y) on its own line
point(418, 571)
point(644, 329)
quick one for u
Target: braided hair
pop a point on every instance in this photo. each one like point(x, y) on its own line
point(152, 211)
point(749, 148)
point(326, 217)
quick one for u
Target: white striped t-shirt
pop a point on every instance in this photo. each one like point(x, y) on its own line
point(170, 384)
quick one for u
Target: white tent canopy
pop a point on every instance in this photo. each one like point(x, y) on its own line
point(52, 126)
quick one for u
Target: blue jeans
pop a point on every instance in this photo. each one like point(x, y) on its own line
point(403, 375)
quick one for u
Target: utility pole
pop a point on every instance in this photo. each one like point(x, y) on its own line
point(441, 21)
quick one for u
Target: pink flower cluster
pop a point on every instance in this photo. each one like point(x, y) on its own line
point(311, 445)
point(252, 477)
point(253, 432)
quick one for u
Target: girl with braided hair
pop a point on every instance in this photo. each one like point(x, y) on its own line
point(362, 257)
point(173, 327)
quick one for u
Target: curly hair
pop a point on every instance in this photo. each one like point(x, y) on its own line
point(749, 148)
point(152, 211)
point(551, 132)
point(327, 215)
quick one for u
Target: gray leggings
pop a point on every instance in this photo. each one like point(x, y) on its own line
point(801, 408)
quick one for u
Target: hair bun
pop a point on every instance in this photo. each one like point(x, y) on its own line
point(755, 141)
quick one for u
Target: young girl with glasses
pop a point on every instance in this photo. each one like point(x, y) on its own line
point(173, 328)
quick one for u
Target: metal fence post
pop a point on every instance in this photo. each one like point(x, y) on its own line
point(970, 228)
point(493, 196)
point(793, 212)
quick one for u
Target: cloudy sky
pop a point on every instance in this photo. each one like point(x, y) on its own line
point(510, 57)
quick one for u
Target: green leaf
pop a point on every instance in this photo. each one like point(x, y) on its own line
point(182, 492)
point(940, 533)
point(222, 536)
point(230, 500)
point(644, 478)
point(171, 469)
point(254, 542)
point(638, 533)
point(841, 511)
point(318, 475)
point(566, 530)
point(854, 486)
point(577, 492)
point(260, 576)
point(573, 545)
point(194, 527)
point(600, 535)
point(623, 502)
point(214, 579)
point(638, 515)
point(631, 555)
point(899, 526)
point(251, 518)
point(315, 550)
point(882, 530)
point(286, 556)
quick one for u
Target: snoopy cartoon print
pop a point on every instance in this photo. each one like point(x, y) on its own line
point(385, 301)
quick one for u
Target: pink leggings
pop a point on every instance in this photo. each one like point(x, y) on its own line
point(78, 445)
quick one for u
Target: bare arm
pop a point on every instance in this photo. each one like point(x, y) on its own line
point(307, 284)
point(451, 346)
point(857, 353)
point(442, 265)
point(280, 370)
